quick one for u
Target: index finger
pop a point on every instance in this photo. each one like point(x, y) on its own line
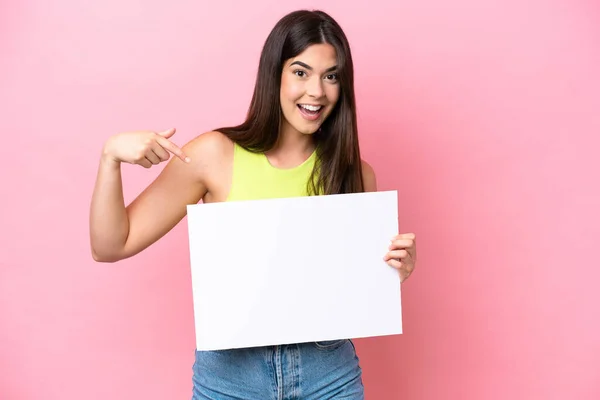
point(401, 236)
point(170, 146)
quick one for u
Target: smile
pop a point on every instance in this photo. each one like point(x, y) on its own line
point(310, 112)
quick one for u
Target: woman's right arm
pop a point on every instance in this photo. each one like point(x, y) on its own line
point(118, 231)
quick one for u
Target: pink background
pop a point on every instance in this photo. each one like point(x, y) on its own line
point(485, 115)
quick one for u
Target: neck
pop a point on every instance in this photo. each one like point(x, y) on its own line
point(292, 147)
point(293, 142)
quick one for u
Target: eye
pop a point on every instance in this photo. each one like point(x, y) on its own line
point(332, 77)
point(300, 73)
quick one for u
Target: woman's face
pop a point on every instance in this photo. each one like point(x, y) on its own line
point(309, 88)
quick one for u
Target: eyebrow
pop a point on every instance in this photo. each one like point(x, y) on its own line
point(300, 63)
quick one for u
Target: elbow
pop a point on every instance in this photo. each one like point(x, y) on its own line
point(101, 257)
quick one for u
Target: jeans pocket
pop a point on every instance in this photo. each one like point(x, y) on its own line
point(329, 345)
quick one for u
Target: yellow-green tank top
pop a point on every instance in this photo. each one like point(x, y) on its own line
point(254, 177)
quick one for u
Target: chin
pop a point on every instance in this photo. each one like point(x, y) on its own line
point(307, 130)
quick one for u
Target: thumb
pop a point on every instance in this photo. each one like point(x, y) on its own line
point(168, 133)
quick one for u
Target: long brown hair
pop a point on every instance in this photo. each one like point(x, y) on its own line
point(338, 166)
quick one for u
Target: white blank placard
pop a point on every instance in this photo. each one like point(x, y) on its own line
point(293, 270)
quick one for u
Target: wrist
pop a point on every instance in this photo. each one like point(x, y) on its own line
point(107, 158)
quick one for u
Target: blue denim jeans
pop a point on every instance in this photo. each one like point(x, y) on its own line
point(304, 371)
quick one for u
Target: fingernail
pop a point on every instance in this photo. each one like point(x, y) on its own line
point(187, 159)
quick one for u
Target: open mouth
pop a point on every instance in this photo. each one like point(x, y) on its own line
point(310, 112)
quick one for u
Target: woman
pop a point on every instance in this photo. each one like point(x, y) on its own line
point(299, 138)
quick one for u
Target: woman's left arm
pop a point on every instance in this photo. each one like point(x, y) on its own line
point(402, 253)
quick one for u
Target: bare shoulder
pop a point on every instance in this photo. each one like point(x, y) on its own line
point(209, 150)
point(208, 146)
point(369, 178)
point(211, 155)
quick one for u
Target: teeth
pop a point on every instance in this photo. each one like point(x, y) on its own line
point(310, 108)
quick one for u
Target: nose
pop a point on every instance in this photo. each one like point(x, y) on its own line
point(315, 87)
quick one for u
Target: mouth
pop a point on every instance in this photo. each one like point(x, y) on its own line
point(311, 112)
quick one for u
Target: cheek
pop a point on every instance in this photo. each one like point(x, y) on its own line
point(333, 93)
point(290, 90)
